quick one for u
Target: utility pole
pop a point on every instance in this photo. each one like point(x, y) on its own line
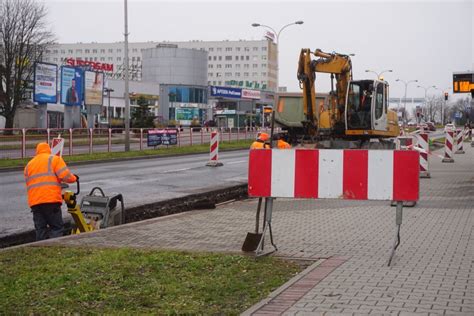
point(126, 96)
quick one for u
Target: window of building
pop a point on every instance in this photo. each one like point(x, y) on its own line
point(247, 57)
point(70, 51)
point(218, 74)
point(255, 49)
point(228, 74)
point(214, 82)
point(139, 58)
point(237, 65)
point(264, 57)
point(110, 50)
point(246, 66)
point(237, 49)
point(254, 74)
point(246, 74)
point(220, 57)
point(210, 66)
point(210, 74)
point(218, 66)
point(228, 65)
point(254, 57)
point(188, 94)
point(110, 58)
point(255, 65)
point(95, 58)
point(211, 49)
point(87, 51)
point(210, 58)
point(48, 51)
point(214, 58)
point(102, 51)
point(78, 51)
point(55, 51)
point(119, 50)
point(264, 49)
point(228, 57)
point(237, 74)
point(228, 49)
point(63, 51)
point(241, 57)
point(55, 59)
point(102, 58)
point(219, 49)
point(219, 82)
point(94, 51)
point(119, 58)
point(247, 49)
point(264, 74)
point(86, 58)
point(135, 50)
point(133, 58)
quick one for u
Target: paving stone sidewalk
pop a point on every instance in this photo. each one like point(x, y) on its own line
point(432, 271)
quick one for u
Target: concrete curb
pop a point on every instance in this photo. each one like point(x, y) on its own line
point(88, 162)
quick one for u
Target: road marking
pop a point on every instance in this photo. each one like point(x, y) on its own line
point(235, 162)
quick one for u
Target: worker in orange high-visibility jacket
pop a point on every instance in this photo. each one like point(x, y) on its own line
point(260, 142)
point(44, 175)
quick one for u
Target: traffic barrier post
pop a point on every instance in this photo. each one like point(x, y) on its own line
point(448, 147)
point(472, 137)
point(214, 151)
point(459, 141)
point(57, 146)
point(423, 144)
point(388, 175)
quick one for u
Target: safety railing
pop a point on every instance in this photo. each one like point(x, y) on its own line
point(21, 142)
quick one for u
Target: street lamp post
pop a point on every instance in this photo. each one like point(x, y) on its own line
point(405, 99)
point(426, 91)
point(126, 93)
point(278, 45)
point(379, 74)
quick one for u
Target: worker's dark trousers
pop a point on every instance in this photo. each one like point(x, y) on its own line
point(48, 220)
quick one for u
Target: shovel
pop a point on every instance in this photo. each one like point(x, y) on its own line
point(253, 239)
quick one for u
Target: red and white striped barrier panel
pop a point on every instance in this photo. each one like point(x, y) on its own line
point(214, 151)
point(449, 147)
point(472, 137)
point(334, 174)
point(423, 144)
point(57, 146)
point(459, 141)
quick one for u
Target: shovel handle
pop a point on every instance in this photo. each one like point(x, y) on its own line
point(257, 221)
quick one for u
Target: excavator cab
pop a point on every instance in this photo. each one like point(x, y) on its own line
point(366, 107)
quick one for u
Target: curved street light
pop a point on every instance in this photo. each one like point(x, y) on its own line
point(278, 44)
point(405, 99)
point(379, 74)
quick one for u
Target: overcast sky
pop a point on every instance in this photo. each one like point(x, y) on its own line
point(424, 40)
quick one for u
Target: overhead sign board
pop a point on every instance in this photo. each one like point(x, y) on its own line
point(93, 87)
point(45, 83)
point(463, 82)
point(71, 86)
point(93, 64)
point(234, 93)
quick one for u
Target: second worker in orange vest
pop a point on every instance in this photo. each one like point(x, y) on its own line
point(43, 176)
point(260, 142)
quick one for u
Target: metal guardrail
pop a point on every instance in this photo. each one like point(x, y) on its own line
point(21, 142)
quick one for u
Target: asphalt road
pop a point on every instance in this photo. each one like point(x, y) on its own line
point(140, 181)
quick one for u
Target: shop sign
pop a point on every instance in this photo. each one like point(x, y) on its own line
point(250, 94)
point(225, 92)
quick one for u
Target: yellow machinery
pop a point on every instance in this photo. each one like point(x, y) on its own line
point(95, 211)
point(355, 111)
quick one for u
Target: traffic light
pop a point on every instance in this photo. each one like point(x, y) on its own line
point(446, 96)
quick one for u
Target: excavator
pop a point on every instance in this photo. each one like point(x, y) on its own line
point(354, 115)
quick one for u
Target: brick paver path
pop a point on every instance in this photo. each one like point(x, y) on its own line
point(432, 271)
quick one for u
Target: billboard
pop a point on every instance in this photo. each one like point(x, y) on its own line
point(225, 92)
point(250, 94)
point(93, 87)
point(45, 83)
point(71, 86)
point(463, 82)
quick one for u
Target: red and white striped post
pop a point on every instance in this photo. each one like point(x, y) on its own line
point(472, 137)
point(214, 152)
point(57, 146)
point(423, 145)
point(459, 141)
point(448, 147)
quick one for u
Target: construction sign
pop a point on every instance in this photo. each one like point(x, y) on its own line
point(57, 146)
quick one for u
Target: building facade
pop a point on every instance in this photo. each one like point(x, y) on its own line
point(248, 64)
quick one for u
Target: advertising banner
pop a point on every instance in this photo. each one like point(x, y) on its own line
point(157, 137)
point(94, 87)
point(250, 94)
point(45, 83)
point(225, 92)
point(71, 86)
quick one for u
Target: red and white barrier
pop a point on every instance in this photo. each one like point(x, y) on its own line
point(214, 151)
point(57, 146)
point(472, 137)
point(459, 141)
point(449, 146)
point(339, 174)
point(423, 144)
point(404, 143)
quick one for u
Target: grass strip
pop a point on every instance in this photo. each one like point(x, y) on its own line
point(195, 149)
point(53, 280)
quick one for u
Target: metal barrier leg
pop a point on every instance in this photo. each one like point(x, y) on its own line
point(398, 222)
point(267, 224)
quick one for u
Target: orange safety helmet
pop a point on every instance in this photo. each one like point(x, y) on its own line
point(263, 136)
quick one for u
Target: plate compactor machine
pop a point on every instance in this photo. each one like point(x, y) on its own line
point(96, 210)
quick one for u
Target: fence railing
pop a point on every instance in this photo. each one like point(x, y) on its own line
point(21, 142)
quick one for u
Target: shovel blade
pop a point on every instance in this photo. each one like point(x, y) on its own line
point(251, 242)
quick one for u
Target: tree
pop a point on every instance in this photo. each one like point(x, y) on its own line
point(142, 116)
point(23, 39)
